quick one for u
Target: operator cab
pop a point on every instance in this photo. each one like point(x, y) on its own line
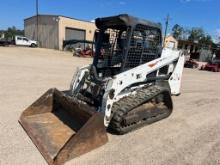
point(123, 42)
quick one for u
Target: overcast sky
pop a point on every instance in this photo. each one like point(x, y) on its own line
point(188, 13)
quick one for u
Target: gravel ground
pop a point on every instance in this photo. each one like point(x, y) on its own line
point(191, 135)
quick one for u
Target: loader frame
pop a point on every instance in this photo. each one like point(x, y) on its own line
point(142, 59)
point(115, 88)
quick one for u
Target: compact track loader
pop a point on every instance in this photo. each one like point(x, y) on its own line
point(128, 85)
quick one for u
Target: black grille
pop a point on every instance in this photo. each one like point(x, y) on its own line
point(143, 46)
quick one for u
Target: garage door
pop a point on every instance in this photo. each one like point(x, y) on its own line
point(75, 34)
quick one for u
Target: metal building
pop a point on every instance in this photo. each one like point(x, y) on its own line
point(52, 30)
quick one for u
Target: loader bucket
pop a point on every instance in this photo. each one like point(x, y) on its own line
point(62, 128)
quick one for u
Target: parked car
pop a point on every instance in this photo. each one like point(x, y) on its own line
point(212, 66)
point(191, 64)
point(80, 48)
point(4, 42)
point(24, 41)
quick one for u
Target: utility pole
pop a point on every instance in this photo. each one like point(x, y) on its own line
point(37, 21)
point(166, 27)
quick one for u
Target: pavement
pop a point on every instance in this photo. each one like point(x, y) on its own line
point(191, 135)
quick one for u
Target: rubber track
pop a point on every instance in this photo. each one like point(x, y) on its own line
point(126, 104)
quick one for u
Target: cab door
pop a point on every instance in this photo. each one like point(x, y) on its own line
point(19, 41)
point(25, 41)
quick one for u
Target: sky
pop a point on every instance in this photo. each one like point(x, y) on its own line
point(187, 13)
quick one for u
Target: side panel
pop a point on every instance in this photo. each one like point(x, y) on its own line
point(176, 77)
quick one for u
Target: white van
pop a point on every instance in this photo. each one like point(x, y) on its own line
point(24, 41)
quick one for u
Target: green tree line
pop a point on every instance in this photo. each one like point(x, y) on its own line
point(11, 32)
point(194, 34)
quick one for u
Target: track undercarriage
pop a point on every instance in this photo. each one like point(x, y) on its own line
point(148, 105)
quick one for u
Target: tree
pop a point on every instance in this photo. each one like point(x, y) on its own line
point(195, 34)
point(177, 31)
point(206, 41)
point(186, 33)
point(12, 31)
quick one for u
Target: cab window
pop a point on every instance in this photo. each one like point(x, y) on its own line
point(25, 39)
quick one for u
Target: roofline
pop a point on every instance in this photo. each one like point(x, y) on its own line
point(41, 15)
point(51, 15)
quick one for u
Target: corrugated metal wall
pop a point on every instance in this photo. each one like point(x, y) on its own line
point(47, 30)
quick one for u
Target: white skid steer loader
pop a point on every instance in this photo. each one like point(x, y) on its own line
point(128, 85)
